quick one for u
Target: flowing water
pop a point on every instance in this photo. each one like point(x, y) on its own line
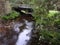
point(18, 33)
point(25, 35)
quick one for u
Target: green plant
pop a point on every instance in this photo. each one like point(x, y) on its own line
point(50, 37)
point(11, 15)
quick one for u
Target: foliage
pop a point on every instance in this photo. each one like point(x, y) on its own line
point(49, 37)
point(11, 15)
point(46, 20)
point(52, 13)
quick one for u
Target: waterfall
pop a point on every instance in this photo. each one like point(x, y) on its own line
point(25, 36)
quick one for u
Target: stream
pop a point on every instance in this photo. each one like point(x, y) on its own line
point(25, 35)
point(19, 31)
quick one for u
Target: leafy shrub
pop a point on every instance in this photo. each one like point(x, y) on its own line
point(52, 13)
point(11, 15)
point(49, 37)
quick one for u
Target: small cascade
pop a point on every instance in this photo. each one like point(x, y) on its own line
point(26, 33)
point(25, 36)
point(19, 31)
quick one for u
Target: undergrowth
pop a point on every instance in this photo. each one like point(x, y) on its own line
point(11, 15)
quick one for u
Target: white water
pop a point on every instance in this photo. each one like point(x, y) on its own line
point(16, 27)
point(25, 35)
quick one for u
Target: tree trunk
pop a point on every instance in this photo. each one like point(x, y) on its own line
point(5, 7)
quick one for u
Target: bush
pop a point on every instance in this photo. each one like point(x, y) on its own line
point(11, 15)
point(49, 37)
